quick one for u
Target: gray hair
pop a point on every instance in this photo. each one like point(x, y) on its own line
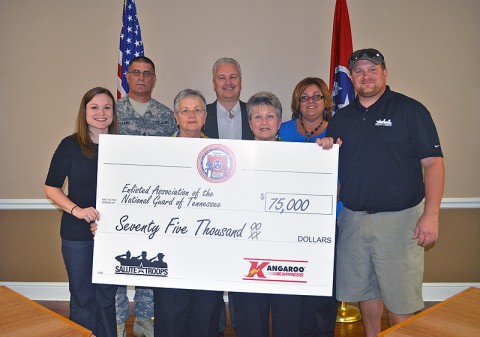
point(264, 98)
point(188, 93)
point(226, 60)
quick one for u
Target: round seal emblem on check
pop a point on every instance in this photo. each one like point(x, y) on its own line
point(216, 163)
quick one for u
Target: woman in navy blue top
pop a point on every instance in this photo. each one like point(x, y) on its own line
point(91, 305)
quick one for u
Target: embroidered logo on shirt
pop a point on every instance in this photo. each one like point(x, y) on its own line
point(383, 122)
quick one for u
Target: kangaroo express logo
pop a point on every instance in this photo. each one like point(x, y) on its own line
point(216, 163)
point(141, 265)
point(276, 270)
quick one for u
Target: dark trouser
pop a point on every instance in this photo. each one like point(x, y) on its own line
point(252, 313)
point(320, 312)
point(186, 313)
point(91, 305)
point(319, 316)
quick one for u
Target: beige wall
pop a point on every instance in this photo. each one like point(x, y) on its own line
point(55, 50)
point(455, 257)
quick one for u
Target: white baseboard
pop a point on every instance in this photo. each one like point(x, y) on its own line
point(436, 292)
point(58, 291)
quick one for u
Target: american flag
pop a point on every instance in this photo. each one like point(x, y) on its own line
point(340, 83)
point(131, 44)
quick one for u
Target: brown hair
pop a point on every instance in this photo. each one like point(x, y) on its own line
point(81, 129)
point(300, 88)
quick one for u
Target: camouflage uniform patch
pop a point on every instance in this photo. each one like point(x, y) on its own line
point(157, 121)
point(142, 303)
point(121, 304)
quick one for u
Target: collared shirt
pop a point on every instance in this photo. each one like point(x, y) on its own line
point(382, 148)
point(229, 128)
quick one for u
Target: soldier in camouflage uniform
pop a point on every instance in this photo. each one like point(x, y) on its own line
point(156, 121)
point(140, 114)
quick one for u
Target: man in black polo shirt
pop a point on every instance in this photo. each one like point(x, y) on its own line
point(390, 160)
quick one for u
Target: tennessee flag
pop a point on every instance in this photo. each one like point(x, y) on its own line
point(340, 83)
point(131, 44)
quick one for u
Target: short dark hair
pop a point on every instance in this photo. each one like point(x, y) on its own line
point(141, 59)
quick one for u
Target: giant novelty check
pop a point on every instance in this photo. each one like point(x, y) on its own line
point(227, 215)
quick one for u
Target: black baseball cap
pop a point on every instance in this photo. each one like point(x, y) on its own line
point(368, 54)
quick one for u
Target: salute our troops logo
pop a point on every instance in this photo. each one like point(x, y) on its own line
point(141, 265)
point(216, 163)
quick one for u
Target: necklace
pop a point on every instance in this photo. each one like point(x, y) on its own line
point(308, 135)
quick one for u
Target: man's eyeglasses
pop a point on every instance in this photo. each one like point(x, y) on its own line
point(145, 73)
point(315, 97)
point(196, 111)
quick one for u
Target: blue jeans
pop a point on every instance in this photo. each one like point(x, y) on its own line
point(91, 305)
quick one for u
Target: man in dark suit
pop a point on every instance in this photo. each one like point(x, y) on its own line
point(227, 116)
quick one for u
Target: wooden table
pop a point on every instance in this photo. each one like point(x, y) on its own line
point(457, 316)
point(21, 317)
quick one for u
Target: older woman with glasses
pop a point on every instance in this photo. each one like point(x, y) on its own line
point(252, 310)
point(312, 108)
point(186, 312)
point(190, 114)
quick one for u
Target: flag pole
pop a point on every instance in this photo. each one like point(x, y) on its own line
point(342, 93)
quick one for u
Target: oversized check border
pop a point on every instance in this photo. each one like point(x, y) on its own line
point(212, 214)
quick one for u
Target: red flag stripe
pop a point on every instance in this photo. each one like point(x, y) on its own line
point(341, 39)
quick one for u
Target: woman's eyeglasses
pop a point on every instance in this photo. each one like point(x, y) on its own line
point(315, 97)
